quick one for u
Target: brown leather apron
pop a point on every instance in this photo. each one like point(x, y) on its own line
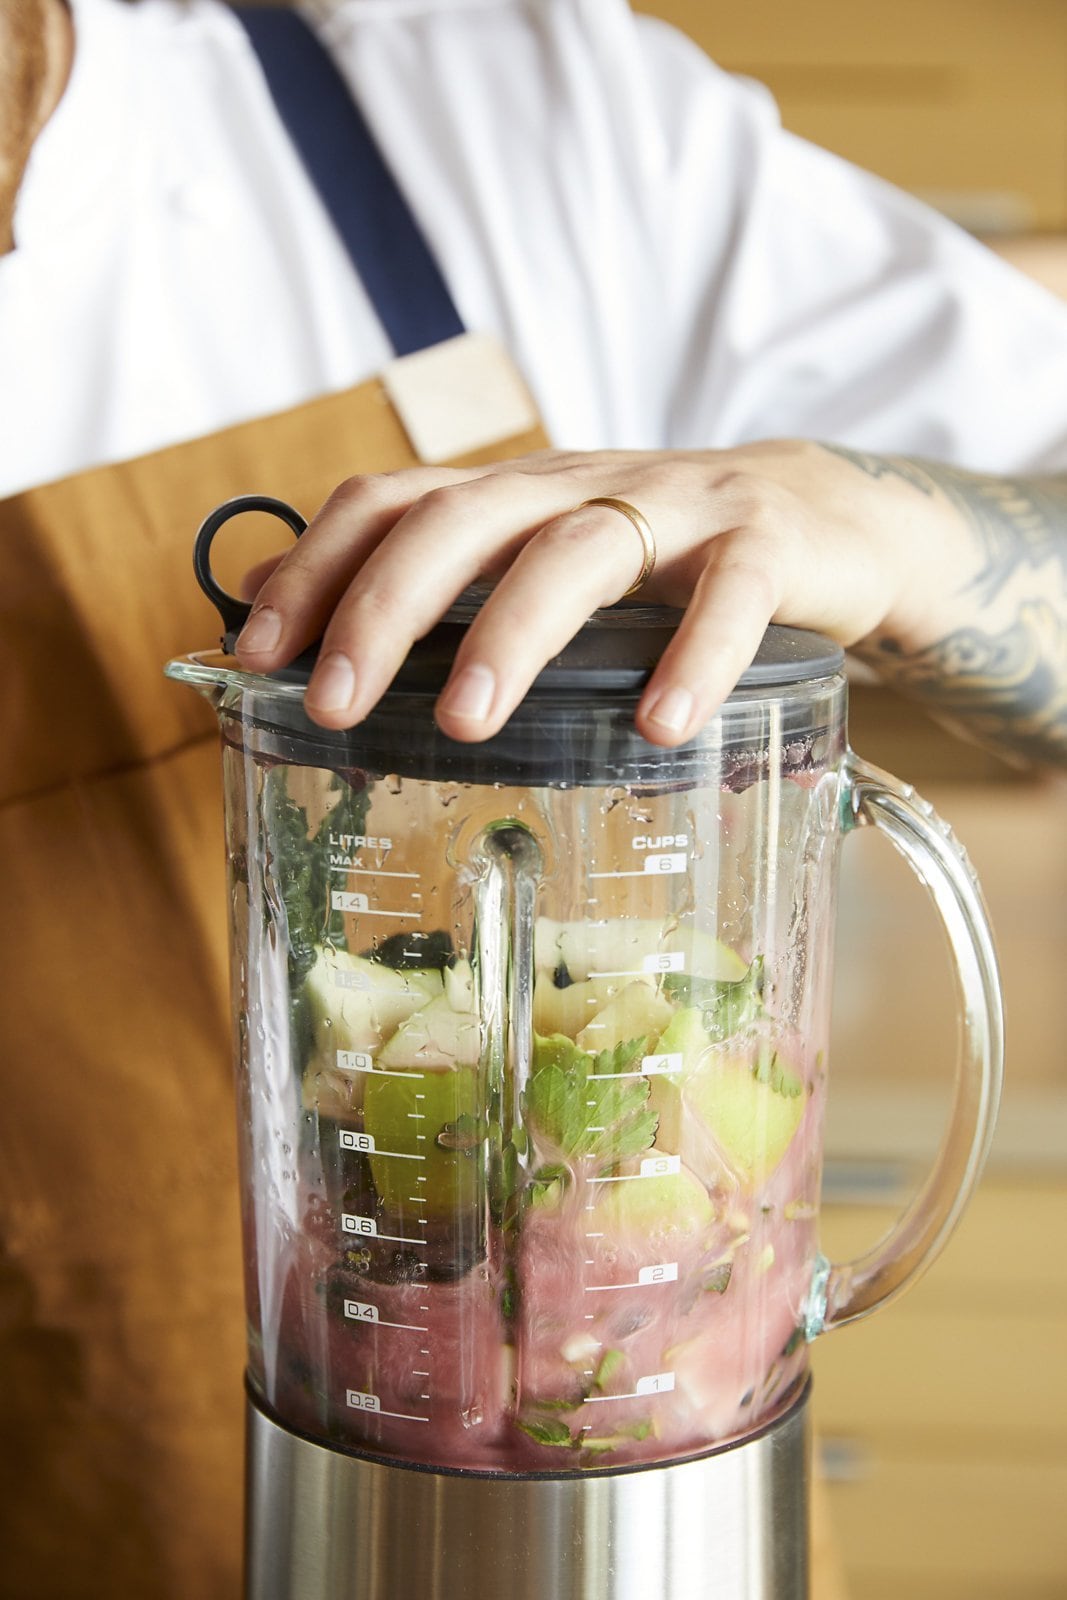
point(121, 1322)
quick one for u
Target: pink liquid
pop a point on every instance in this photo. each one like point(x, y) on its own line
point(566, 1345)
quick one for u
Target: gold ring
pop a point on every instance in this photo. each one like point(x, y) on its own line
point(644, 533)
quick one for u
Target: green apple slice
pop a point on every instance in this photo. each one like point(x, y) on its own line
point(637, 1012)
point(433, 1037)
point(685, 1038)
point(672, 1206)
point(435, 1117)
point(568, 1010)
point(751, 1109)
point(356, 1003)
point(632, 947)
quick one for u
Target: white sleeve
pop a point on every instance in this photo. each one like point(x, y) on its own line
point(810, 299)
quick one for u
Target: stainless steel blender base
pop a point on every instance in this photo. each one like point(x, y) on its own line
point(323, 1524)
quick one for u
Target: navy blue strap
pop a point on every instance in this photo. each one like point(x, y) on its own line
point(358, 190)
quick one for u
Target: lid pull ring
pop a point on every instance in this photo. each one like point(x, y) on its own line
point(234, 612)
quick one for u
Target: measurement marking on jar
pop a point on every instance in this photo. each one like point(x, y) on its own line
point(653, 1065)
point(651, 1167)
point(368, 1229)
point(659, 866)
point(655, 1383)
point(360, 1061)
point(668, 961)
point(376, 872)
point(665, 1272)
point(359, 1401)
point(364, 1142)
point(363, 1311)
point(359, 905)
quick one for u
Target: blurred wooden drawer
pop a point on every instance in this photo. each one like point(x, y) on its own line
point(943, 1526)
point(943, 1418)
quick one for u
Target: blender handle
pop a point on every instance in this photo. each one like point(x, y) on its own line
point(234, 612)
point(842, 1293)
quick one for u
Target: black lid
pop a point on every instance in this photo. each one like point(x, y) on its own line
point(575, 723)
point(614, 653)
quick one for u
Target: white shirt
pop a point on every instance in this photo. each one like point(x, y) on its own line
point(667, 266)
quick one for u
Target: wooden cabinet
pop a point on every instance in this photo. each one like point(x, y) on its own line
point(961, 101)
point(943, 1419)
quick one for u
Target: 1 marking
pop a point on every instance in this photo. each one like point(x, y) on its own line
point(655, 1383)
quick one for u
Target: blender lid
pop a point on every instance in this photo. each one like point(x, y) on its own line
point(615, 652)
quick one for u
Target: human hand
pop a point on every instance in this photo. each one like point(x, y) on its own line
point(788, 532)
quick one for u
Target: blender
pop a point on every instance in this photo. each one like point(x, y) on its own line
point(531, 1045)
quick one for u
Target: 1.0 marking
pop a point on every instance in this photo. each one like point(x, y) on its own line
point(360, 1061)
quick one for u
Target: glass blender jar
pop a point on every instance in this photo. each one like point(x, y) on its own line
point(531, 1043)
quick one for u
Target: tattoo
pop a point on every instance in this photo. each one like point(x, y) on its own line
point(885, 467)
point(1007, 690)
point(1018, 522)
point(1003, 676)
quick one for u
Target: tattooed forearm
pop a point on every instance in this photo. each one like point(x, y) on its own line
point(1007, 690)
point(1017, 522)
point(1000, 673)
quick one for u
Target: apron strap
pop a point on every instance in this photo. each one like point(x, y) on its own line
point(361, 195)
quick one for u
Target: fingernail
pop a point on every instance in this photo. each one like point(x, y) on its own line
point(333, 683)
point(471, 695)
point(673, 710)
point(261, 632)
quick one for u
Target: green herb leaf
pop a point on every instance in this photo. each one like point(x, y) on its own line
point(727, 1008)
point(717, 1279)
point(769, 1070)
point(610, 1362)
point(548, 1432)
point(576, 1106)
point(298, 870)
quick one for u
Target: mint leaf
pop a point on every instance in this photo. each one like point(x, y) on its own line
point(547, 1432)
point(622, 1058)
point(769, 1070)
point(726, 1008)
point(577, 1106)
point(610, 1362)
